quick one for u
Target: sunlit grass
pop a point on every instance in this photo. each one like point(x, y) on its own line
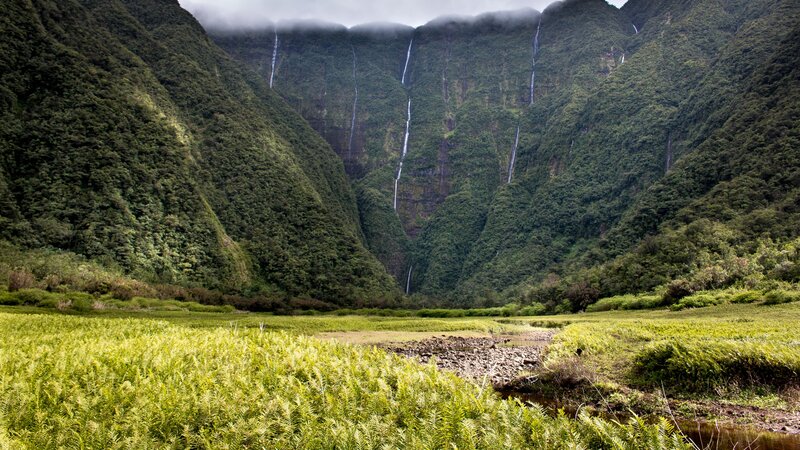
point(701, 350)
point(136, 383)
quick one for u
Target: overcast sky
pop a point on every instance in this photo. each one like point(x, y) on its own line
point(254, 13)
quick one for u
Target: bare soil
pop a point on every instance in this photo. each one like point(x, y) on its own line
point(495, 359)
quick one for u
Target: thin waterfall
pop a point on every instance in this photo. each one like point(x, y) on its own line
point(408, 280)
point(622, 61)
point(533, 59)
point(635, 30)
point(408, 125)
point(355, 105)
point(513, 157)
point(402, 155)
point(408, 57)
point(274, 58)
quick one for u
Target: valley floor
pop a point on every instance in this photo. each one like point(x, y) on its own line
point(735, 365)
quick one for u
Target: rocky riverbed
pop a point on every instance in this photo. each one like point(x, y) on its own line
point(496, 359)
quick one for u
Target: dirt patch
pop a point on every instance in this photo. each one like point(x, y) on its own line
point(496, 359)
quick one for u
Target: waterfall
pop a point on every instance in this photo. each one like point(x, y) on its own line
point(355, 105)
point(408, 57)
point(635, 30)
point(408, 280)
point(402, 155)
point(405, 138)
point(274, 57)
point(513, 157)
point(622, 61)
point(535, 53)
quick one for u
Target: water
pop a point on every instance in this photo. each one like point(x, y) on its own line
point(408, 57)
point(408, 280)
point(622, 61)
point(402, 155)
point(274, 58)
point(635, 30)
point(703, 434)
point(355, 105)
point(711, 436)
point(405, 141)
point(513, 156)
point(535, 53)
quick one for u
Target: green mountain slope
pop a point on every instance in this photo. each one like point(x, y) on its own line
point(130, 138)
point(642, 121)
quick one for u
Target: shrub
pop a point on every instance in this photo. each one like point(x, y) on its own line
point(676, 290)
point(52, 283)
point(205, 296)
point(168, 291)
point(32, 296)
point(747, 297)
point(777, 297)
point(81, 304)
point(700, 301)
point(626, 302)
point(128, 289)
point(606, 304)
point(563, 308)
point(568, 373)
point(20, 279)
point(9, 299)
point(535, 309)
point(197, 307)
point(484, 312)
point(702, 365)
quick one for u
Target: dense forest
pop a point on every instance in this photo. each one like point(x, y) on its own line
point(560, 157)
point(130, 139)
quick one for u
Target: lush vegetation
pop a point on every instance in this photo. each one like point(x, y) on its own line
point(669, 167)
point(127, 137)
point(132, 383)
point(745, 354)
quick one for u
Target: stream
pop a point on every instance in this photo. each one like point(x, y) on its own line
point(701, 433)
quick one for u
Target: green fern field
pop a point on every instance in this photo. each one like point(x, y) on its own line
point(78, 382)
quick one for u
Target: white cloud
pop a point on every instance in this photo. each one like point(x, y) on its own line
point(254, 13)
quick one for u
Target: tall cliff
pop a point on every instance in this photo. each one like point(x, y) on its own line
point(624, 118)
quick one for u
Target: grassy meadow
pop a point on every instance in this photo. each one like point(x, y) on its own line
point(735, 354)
point(198, 381)
point(175, 378)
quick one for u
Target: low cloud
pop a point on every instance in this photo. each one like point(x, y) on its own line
point(244, 14)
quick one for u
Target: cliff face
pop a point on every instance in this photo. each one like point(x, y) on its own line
point(610, 104)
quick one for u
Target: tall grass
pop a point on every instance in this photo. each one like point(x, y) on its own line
point(691, 351)
point(74, 382)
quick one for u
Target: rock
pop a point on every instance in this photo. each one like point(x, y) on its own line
point(479, 358)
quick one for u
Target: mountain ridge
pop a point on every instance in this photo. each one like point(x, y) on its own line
point(609, 83)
